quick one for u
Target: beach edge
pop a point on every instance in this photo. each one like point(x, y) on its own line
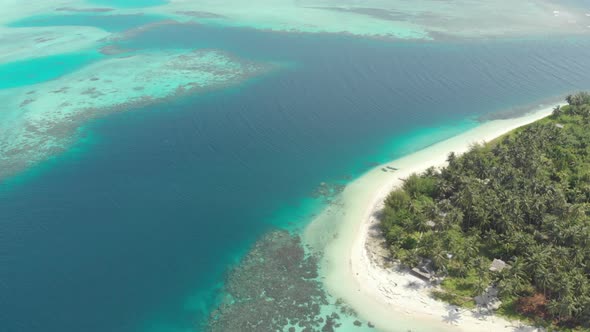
point(351, 272)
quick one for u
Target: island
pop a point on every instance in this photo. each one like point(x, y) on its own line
point(486, 230)
point(505, 227)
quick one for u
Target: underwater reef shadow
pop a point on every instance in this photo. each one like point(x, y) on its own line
point(276, 287)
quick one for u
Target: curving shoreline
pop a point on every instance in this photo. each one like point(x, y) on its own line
point(353, 264)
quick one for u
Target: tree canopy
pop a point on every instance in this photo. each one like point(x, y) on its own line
point(523, 198)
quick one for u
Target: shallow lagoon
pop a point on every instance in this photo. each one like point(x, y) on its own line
point(129, 3)
point(27, 72)
point(108, 22)
point(133, 229)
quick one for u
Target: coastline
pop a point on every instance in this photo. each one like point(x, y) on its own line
point(353, 262)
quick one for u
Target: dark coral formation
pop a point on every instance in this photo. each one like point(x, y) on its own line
point(114, 50)
point(345, 309)
point(199, 14)
point(378, 13)
point(328, 191)
point(134, 32)
point(275, 287)
point(83, 10)
point(59, 129)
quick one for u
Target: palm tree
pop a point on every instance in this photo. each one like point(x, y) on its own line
point(537, 262)
point(514, 280)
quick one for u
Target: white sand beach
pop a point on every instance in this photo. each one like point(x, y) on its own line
point(390, 298)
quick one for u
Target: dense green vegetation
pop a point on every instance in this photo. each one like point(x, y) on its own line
point(523, 198)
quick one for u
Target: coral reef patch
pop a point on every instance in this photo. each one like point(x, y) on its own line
point(276, 287)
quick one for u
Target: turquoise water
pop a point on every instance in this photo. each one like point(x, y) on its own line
point(108, 22)
point(134, 228)
point(129, 3)
point(28, 72)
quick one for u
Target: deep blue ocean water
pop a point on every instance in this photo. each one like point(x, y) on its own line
point(133, 229)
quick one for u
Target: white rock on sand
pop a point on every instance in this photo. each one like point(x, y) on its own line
point(394, 300)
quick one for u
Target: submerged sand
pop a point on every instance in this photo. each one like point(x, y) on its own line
point(28, 43)
point(427, 19)
point(41, 120)
point(354, 263)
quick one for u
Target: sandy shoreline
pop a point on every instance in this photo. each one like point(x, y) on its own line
point(353, 258)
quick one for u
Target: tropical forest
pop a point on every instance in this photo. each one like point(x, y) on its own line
point(521, 200)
